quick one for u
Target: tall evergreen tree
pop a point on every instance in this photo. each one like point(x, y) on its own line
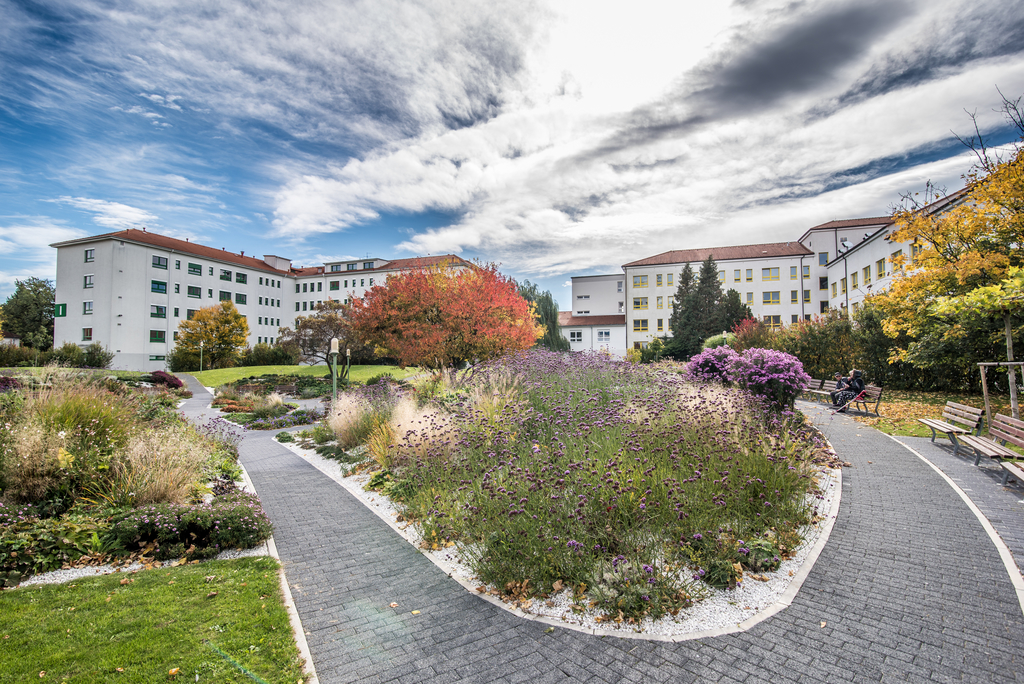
point(734, 310)
point(680, 322)
point(707, 302)
point(545, 313)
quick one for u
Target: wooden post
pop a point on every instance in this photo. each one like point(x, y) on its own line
point(1009, 369)
point(984, 390)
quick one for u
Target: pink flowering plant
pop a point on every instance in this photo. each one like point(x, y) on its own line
point(712, 365)
point(777, 376)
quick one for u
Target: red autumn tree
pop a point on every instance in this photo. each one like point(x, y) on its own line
point(444, 315)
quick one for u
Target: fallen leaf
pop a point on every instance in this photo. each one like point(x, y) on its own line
point(557, 586)
point(171, 582)
point(174, 671)
point(549, 630)
point(209, 578)
point(393, 605)
point(415, 612)
point(481, 588)
point(120, 669)
point(823, 623)
point(127, 581)
point(211, 594)
point(42, 673)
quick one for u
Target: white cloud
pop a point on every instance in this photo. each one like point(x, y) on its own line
point(111, 214)
point(26, 242)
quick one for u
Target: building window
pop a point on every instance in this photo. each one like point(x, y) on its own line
point(297, 306)
point(750, 298)
point(834, 294)
point(807, 296)
point(242, 278)
point(582, 296)
point(721, 276)
point(582, 312)
point(657, 280)
point(604, 335)
point(362, 282)
point(158, 286)
point(774, 322)
point(575, 335)
point(304, 286)
point(86, 308)
point(660, 301)
point(796, 317)
point(822, 258)
point(618, 286)
point(770, 273)
point(639, 303)
point(867, 275)
point(157, 336)
point(807, 271)
point(842, 285)
point(211, 270)
point(371, 282)
point(736, 276)
point(792, 272)
point(157, 357)
point(224, 296)
point(195, 269)
point(157, 311)
point(750, 275)
point(304, 306)
point(261, 280)
point(190, 313)
point(160, 262)
point(90, 255)
point(319, 287)
point(350, 267)
point(770, 297)
point(794, 297)
point(196, 292)
point(824, 306)
point(335, 285)
point(853, 280)
point(670, 279)
point(225, 274)
point(60, 310)
point(896, 259)
point(298, 288)
point(87, 334)
point(640, 325)
point(367, 265)
point(335, 267)
point(622, 307)
point(176, 312)
point(240, 298)
point(639, 281)
point(880, 268)
point(661, 324)
point(261, 301)
point(915, 250)
point(822, 282)
point(177, 264)
point(88, 281)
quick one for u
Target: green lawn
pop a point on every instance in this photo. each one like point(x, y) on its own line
point(215, 378)
point(139, 627)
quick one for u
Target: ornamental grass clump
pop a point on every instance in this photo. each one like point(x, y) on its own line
point(359, 411)
point(585, 471)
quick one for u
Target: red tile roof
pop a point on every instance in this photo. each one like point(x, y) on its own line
point(422, 262)
point(183, 246)
point(683, 256)
point(565, 318)
point(853, 223)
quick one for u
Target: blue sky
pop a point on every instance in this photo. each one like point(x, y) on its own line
point(555, 137)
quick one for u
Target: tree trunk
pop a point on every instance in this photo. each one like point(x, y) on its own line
point(1011, 373)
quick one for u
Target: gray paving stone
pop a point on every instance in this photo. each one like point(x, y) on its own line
point(909, 583)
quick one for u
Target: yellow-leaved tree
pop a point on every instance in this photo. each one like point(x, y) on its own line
point(219, 331)
point(962, 243)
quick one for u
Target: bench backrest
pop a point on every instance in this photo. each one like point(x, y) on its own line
point(816, 384)
point(1007, 429)
point(872, 393)
point(967, 416)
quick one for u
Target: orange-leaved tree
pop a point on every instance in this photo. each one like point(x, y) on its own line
point(443, 315)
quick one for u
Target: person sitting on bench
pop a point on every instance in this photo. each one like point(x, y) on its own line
point(853, 388)
point(841, 384)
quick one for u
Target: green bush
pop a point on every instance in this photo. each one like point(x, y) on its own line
point(32, 545)
point(69, 354)
point(285, 437)
point(195, 531)
point(97, 356)
point(263, 354)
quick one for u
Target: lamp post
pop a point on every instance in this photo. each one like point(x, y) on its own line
point(200, 356)
point(334, 366)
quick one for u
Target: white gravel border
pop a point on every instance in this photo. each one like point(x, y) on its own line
point(724, 612)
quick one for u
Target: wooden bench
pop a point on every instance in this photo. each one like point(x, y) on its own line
point(1003, 430)
point(817, 389)
point(286, 389)
point(242, 389)
point(969, 420)
point(870, 395)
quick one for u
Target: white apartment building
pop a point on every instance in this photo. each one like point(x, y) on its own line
point(129, 290)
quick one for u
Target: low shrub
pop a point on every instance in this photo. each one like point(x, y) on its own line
point(196, 531)
point(32, 545)
point(9, 384)
point(777, 376)
point(284, 437)
point(712, 365)
point(296, 417)
point(162, 378)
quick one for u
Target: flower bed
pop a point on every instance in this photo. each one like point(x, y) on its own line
point(632, 488)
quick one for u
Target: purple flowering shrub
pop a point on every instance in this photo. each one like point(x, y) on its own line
point(712, 365)
point(777, 376)
point(595, 471)
point(194, 531)
point(9, 383)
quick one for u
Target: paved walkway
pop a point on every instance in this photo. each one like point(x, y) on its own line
point(909, 585)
